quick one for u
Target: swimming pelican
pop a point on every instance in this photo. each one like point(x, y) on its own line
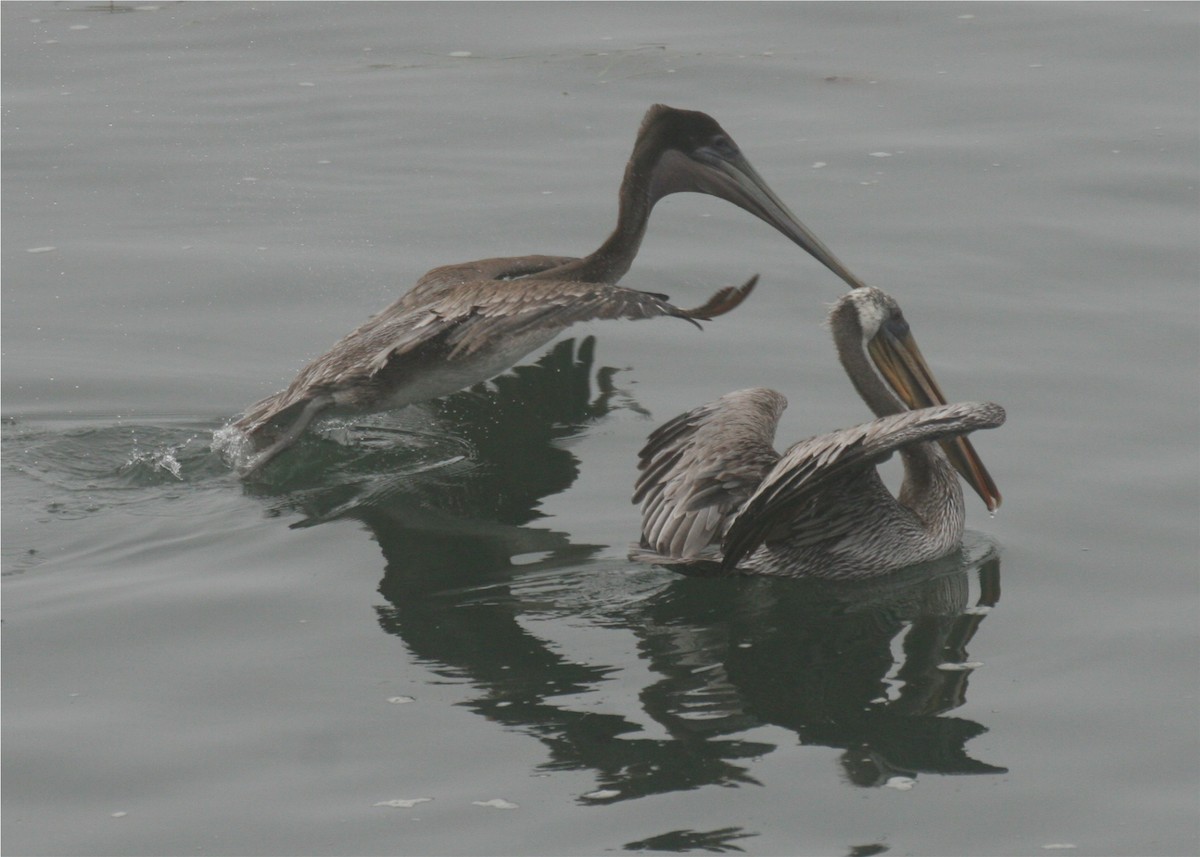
point(717, 498)
point(464, 323)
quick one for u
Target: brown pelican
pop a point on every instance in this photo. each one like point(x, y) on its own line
point(717, 498)
point(464, 323)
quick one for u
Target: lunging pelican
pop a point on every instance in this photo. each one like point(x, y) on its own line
point(717, 498)
point(464, 323)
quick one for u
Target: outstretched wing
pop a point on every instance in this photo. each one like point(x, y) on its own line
point(510, 318)
point(538, 310)
point(812, 466)
point(698, 469)
point(499, 268)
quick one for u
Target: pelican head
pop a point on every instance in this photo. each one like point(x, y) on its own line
point(686, 150)
point(888, 340)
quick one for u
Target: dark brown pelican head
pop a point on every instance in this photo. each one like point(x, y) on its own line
point(685, 150)
point(885, 336)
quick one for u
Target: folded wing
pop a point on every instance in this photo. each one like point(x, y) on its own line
point(699, 468)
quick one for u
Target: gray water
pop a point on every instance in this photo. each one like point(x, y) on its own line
point(420, 634)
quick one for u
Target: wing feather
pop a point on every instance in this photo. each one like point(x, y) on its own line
point(455, 320)
point(498, 268)
point(797, 480)
point(698, 468)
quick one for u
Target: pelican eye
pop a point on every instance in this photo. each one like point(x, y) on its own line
point(897, 326)
point(723, 146)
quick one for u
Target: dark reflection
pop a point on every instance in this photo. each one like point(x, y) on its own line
point(713, 841)
point(872, 669)
point(867, 850)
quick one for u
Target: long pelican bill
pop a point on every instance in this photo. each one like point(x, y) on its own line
point(731, 177)
point(895, 352)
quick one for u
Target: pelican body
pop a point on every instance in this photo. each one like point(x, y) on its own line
point(718, 499)
point(464, 323)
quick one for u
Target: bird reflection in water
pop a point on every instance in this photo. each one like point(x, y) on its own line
point(820, 659)
point(872, 668)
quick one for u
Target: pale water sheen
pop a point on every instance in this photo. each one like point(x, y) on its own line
point(419, 634)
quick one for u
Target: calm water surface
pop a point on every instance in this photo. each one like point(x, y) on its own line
point(420, 634)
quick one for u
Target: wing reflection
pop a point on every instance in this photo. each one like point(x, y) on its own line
point(712, 841)
point(872, 669)
point(867, 669)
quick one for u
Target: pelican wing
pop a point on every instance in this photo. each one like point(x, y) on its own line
point(698, 469)
point(787, 500)
point(498, 268)
point(467, 319)
point(512, 317)
point(546, 308)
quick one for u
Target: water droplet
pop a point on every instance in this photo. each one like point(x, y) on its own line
point(404, 803)
point(601, 794)
point(496, 803)
point(961, 667)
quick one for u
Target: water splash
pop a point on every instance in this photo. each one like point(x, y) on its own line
point(235, 449)
point(163, 459)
